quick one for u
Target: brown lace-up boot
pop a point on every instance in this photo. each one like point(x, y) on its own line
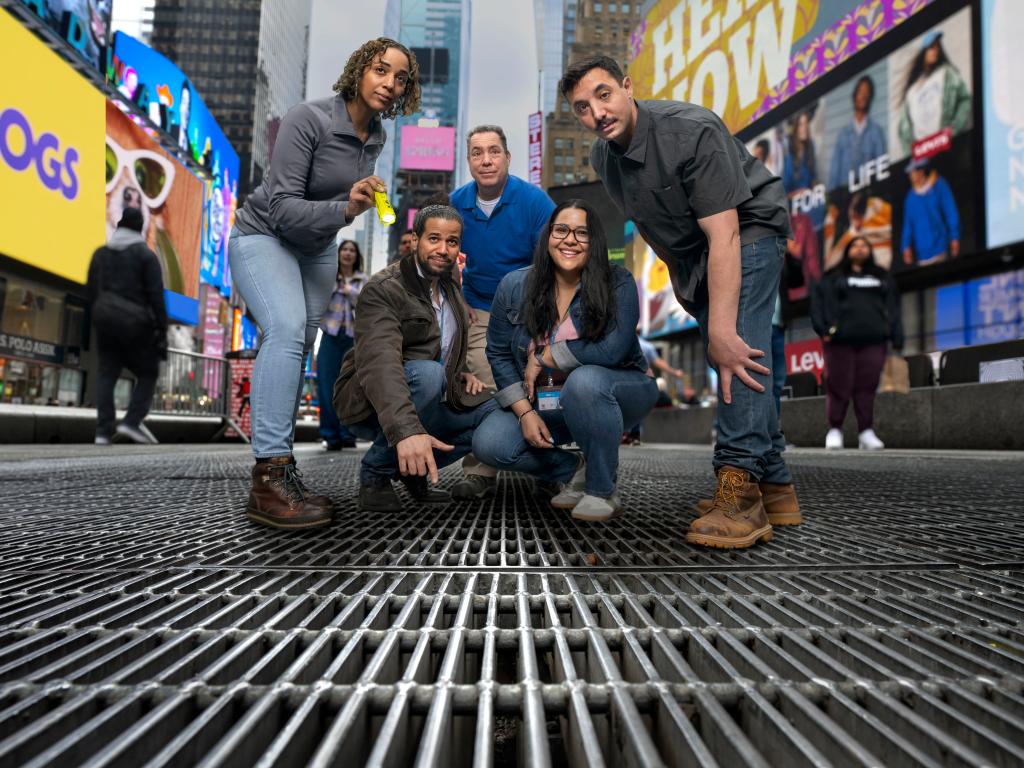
point(278, 498)
point(318, 499)
point(737, 519)
point(779, 500)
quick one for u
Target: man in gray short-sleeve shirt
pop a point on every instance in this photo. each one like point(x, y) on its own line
point(718, 219)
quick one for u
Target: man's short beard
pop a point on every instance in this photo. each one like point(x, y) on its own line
point(428, 269)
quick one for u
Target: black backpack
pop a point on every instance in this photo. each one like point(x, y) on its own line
point(116, 315)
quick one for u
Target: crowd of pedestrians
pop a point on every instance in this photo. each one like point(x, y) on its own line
point(527, 359)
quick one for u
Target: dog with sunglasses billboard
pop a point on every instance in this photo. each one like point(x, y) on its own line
point(139, 174)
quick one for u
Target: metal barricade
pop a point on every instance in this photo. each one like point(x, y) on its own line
point(191, 384)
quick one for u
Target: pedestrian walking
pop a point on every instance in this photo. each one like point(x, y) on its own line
point(855, 309)
point(337, 332)
point(126, 293)
point(284, 259)
point(504, 216)
point(568, 366)
point(719, 220)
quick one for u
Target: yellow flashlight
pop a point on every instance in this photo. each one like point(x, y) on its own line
point(384, 209)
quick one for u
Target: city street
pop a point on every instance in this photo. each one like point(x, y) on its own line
point(142, 618)
point(658, 231)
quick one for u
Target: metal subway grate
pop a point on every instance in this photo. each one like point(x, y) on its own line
point(142, 620)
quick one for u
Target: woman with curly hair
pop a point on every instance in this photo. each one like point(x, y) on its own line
point(284, 258)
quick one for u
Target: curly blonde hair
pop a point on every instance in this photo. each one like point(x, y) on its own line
point(348, 83)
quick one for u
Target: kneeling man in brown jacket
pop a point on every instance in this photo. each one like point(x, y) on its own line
point(405, 384)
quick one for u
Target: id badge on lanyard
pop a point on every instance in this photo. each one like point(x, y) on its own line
point(549, 397)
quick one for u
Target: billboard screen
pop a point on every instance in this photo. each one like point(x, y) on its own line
point(985, 310)
point(885, 155)
point(141, 174)
point(660, 313)
point(151, 81)
point(1002, 30)
point(83, 24)
point(741, 60)
point(51, 166)
point(427, 149)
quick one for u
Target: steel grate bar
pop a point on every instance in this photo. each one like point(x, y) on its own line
point(886, 630)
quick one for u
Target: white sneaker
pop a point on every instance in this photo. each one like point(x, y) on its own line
point(868, 441)
point(134, 434)
point(145, 430)
point(595, 509)
point(834, 440)
point(574, 490)
point(102, 440)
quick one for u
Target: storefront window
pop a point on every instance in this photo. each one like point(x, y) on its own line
point(41, 341)
point(74, 324)
point(32, 311)
point(27, 383)
point(69, 389)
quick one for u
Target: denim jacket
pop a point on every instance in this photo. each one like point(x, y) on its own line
point(508, 340)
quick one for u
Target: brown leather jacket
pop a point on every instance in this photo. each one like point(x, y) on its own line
point(395, 323)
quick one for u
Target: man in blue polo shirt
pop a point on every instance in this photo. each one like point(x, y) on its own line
point(503, 217)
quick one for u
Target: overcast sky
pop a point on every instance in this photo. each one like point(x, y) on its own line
point(503, 61)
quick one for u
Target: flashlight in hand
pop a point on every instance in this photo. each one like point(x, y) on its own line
point(384, 209)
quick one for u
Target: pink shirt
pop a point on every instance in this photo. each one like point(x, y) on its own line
point(565, 332)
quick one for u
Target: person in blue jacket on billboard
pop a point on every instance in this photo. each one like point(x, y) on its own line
point(931, 221)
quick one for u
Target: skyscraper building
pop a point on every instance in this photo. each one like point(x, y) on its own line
point(280, 73)
point(134, 20)
point(437, 32)
point(568, 30)
point(220, 46)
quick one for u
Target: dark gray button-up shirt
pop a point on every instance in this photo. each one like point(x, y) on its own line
point(317, 158)
point(681, 165)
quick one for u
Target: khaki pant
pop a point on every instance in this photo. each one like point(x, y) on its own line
point(476, 360)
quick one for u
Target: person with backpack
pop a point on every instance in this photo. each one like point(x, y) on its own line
point(126, 294)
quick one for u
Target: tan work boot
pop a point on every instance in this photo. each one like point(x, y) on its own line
point(737, 519)
point(279, 499)
point(779, 500)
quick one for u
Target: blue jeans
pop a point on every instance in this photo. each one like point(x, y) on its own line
point(328, 366)
point(287, 292)
point(426, 380)
point(748, 428)
point(596, 402)
point(778, 366)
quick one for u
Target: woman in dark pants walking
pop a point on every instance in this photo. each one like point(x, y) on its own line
point(855, 310)
point(284, 259)
point(338, 329)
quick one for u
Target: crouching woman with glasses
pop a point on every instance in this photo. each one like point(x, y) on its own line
point(567, 364)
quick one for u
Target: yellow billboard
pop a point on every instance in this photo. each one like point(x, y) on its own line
point(721, 54)
point(51, 157)
point(743, 58)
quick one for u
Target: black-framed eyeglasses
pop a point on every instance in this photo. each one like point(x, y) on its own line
point(561, 231)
